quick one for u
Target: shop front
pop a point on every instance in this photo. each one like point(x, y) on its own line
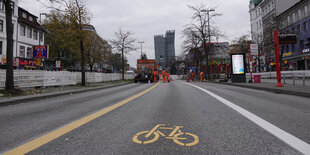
point(299, 61)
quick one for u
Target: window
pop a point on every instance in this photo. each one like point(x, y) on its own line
point(287, 49)
point(22, 51)
point(293, 47)
point(29, 32)
point(1, 5)
point(1, 25)
point(22, 30)
point(288, 20)
point(294, 18)
point(293, 30)
point(306, 26)
point(35, 34)
point(257, 25)
point(299, 15)
point(29, 52)
point(260, 24)
point(306, 11)
point(24, 15)
point(302, 45)
point(31, 18)
point(41, 36)
point(298, 29)
point(0, 47)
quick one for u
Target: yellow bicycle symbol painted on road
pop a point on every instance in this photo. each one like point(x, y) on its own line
point(176, 135)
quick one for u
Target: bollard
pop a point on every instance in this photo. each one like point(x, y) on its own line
point(293, 79)
point(304, 79)
point(283, 78)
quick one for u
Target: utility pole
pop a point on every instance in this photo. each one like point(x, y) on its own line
point(209, 35)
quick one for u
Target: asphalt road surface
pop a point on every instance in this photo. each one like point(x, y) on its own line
point(162, 118)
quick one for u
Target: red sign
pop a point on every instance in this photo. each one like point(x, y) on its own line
point(27, 62)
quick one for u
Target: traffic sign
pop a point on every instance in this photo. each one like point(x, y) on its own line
point(254, 49)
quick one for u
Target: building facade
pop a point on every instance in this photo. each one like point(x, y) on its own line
point(257, 33)
point(296, 20)
point(3, 38)
point(29, 34)
point(264, 20)
point(165, 48)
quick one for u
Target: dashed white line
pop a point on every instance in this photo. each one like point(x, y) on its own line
point(291, 140)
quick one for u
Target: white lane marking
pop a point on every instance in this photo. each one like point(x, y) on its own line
point(291, 140)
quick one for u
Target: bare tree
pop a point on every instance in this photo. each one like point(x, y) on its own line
point(123, 43)
point(200, 25)
point(192, 42)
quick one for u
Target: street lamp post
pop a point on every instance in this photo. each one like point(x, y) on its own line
point(141, 42)
point(44, 14)
point(209, 33)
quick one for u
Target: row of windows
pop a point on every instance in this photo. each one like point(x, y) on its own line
point(31, 33)
point(22, 53)
point(304, 27)
point(22, 50)
point(24, 15)
point(268, 8)
point(296, 16)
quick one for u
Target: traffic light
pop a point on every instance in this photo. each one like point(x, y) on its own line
point(161, 57)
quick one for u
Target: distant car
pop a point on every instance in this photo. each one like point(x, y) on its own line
point(130, 72)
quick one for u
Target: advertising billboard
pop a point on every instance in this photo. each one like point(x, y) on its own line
point(40, 53)
point(237, 61)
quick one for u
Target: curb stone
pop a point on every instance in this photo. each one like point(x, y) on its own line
point(22, 99)
point(278, 91)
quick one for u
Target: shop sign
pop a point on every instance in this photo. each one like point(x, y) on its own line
point(27, 62)
point(287, 54)
point(287, 39)
point(306, 50)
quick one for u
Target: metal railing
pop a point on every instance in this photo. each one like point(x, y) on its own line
point(288, 77)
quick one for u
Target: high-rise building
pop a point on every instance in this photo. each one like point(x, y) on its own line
point(165, 49)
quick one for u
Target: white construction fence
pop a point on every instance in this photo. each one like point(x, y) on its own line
point(34, 78)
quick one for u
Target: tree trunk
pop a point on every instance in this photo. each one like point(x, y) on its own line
point(123, 65)
point(82, 62)
point(91, 67)
point(9, 81)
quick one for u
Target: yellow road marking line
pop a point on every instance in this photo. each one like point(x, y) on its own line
point(34, 144)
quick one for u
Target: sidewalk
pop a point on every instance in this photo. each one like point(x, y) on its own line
point(287, 89)
point(43, 93)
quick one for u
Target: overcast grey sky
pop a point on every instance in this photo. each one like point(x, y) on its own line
point(146, 18)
